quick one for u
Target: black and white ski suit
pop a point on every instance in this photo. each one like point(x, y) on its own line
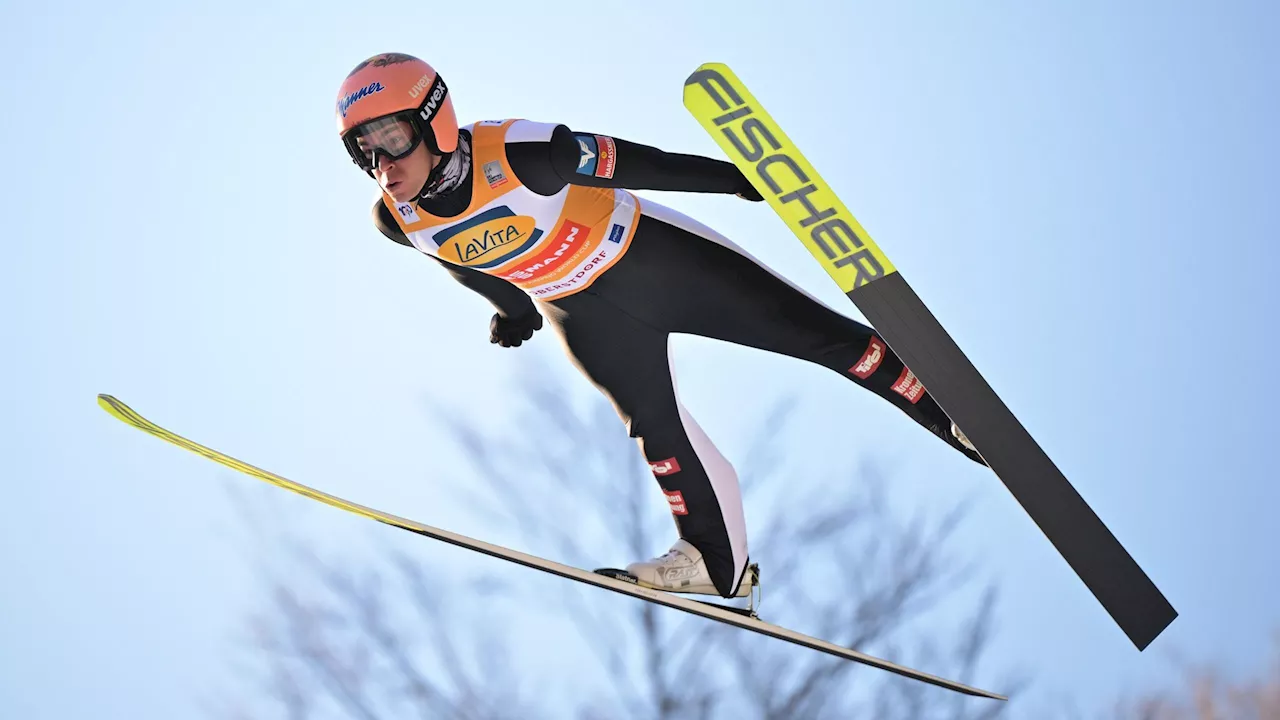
point(678, 276)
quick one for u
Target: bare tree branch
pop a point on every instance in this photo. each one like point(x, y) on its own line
point(836, 563)
point(1206, 694)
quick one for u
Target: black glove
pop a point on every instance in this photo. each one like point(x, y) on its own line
point(510, 332)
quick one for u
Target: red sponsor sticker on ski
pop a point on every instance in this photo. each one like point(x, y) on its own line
point(870, 359)
point(665, 467)
point(676, 501)
point(607, 158)
point(909, 386)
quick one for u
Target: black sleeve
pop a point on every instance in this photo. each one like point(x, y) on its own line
point(581, 158)
point(507, 299)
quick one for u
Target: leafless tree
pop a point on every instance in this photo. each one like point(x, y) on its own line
point(388, 637)
point(1206, 693)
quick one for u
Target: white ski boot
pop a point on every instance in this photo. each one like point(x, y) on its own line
point(682, 570)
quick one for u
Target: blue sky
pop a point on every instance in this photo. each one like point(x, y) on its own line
point(1083, 194)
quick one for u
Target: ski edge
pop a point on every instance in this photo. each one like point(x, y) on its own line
point(710, 611)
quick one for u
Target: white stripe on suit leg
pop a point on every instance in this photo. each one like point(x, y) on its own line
point(723, 477)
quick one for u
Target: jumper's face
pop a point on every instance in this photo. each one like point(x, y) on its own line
point(400, 177)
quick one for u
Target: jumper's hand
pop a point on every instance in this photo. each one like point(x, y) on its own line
point(511, 332)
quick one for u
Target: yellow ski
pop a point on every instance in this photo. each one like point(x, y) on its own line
point(731, 616)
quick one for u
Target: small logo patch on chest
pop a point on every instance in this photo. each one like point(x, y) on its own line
point(408, 213)
point(493, 173)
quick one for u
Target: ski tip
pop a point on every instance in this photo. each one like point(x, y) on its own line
point(110, 402)
point(118, 409)
point(696, 76)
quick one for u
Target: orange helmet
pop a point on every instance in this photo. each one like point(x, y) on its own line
point(394, 101)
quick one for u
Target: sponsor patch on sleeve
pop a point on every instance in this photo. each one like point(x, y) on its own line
point(588, 154)
point(597, 155)
point(608, 159)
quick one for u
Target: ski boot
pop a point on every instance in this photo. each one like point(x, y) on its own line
point(682, 570)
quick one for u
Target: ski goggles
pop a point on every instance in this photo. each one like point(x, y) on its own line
point(394, 136)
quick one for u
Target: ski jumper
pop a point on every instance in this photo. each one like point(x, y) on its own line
point(545, 224)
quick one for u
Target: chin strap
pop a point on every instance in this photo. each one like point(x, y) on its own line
point(449, 173)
